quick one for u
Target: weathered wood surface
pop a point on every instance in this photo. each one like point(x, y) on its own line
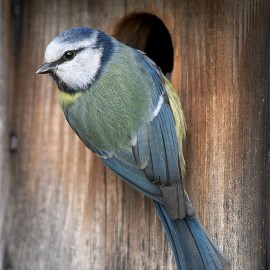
point(60, 208)
point(6, 89)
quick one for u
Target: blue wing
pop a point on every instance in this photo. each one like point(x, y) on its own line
point(153, 166)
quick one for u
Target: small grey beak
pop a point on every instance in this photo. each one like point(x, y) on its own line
point(45, 68)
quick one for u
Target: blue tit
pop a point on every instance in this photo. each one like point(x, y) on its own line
point(123, 109)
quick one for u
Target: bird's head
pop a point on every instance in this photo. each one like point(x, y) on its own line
point(75, 58)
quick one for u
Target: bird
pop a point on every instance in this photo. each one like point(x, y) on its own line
point(124, 110)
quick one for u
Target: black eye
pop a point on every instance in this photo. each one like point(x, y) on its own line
point(69, 55)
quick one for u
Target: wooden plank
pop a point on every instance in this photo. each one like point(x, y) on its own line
point(224, 89)
point(6, 148)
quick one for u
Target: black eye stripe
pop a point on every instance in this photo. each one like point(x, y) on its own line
point(63, 59)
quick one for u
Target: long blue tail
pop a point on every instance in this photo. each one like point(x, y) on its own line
point(191, 245)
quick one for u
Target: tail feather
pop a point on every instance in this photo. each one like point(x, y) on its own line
point(192, 247)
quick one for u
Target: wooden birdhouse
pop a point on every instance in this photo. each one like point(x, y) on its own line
point(61, 208)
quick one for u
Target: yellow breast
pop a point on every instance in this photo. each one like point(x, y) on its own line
point(66, 99)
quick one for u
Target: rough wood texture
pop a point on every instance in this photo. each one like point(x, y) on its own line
point(6, 93)
point(60, 208)
point(225, 91)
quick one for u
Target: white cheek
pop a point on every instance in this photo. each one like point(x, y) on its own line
point(81, 71)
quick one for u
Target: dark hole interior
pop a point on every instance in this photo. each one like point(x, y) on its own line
point(147, 33)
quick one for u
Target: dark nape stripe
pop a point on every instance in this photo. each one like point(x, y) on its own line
point(105, 43)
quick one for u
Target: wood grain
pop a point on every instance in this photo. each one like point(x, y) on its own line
point(60, 208)
point(6, 95)
point(227, 94)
